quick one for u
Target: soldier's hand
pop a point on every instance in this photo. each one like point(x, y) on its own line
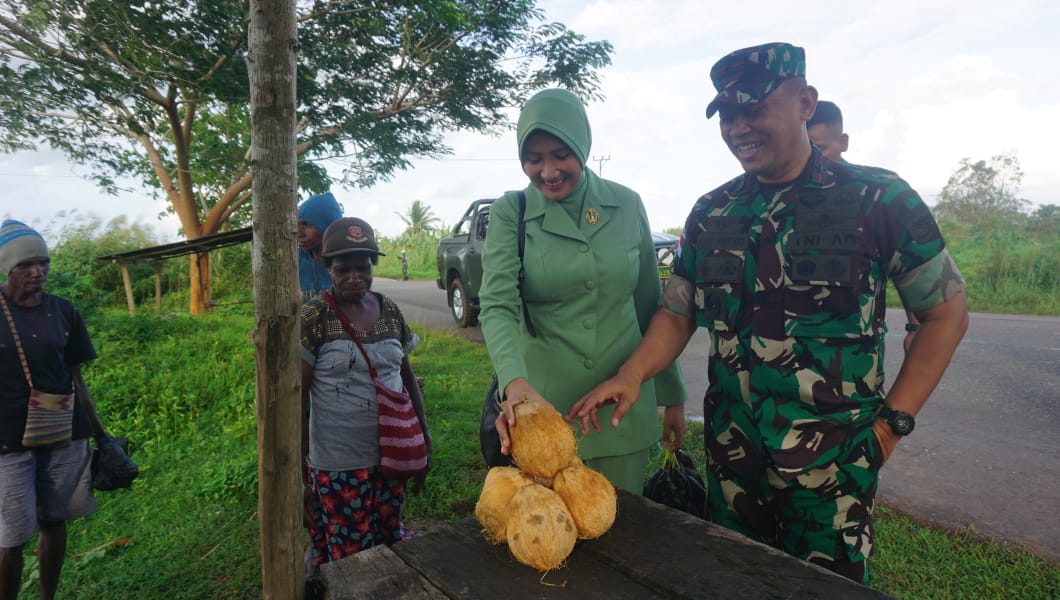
point(621, 390)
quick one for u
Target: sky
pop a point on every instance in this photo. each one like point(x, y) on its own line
point(922, 84)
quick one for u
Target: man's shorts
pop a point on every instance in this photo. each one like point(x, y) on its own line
point(43, 485)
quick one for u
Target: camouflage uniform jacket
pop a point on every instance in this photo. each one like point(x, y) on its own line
point(790, 281)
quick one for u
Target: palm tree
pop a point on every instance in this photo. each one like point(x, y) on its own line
point(418, 218)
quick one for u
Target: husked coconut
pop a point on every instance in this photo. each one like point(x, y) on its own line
point(542, 441)
point(541, 532)
point(590, 498)
point(494, 503)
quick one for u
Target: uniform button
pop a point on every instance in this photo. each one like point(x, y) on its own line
point(588, 363)
point(590, 285)
point(588, 323)
point(583, 248)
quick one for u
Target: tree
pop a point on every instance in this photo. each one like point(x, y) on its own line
point(982, 190)
point(159, 91)
point(1045, 220)
point(272, 56)
point(418, 218)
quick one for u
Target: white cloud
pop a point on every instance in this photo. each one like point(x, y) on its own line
point(922, 84)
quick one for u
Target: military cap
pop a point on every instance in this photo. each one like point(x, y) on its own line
point(749, 75)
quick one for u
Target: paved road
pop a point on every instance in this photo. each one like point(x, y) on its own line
point(986, 448)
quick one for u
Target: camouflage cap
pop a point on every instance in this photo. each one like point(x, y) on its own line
point(749, 75)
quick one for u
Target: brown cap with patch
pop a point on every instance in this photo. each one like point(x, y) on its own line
point(349, 235)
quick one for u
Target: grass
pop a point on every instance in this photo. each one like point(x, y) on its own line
point(182, 388)
point(916, 560)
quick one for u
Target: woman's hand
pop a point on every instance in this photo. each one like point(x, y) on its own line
point(518, 391)
point(420, 480)
point(674, 427)
point(417, 484)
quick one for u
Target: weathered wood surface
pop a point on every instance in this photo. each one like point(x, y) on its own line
point(651, 552)
point(462, 564)
point(686, 557)
point(376, 573)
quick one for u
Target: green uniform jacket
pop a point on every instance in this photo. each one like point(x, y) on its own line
point(591, 290)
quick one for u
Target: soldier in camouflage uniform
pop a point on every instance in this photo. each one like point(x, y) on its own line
point(786, 266)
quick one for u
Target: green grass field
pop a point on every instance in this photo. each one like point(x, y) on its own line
point(183, 389)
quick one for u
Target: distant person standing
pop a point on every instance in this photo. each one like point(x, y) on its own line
point(314, 216)
point(825, 129)
point(404, 265)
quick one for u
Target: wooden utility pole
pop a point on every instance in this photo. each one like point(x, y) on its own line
point(271, 61)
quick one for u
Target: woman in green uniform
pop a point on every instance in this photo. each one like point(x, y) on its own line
point(591, 288)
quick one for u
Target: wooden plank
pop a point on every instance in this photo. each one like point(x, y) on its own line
point(458, 560)
point(686, 557)
point(375, 573)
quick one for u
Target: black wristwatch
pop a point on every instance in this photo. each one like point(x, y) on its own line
point(912, 327)
point(902, 423)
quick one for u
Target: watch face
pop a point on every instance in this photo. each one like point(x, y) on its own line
point(903, 423)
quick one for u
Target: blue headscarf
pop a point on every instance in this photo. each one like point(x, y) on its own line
point(319, 211)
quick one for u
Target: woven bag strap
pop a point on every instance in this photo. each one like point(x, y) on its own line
point(350, 331)
point(18, 341)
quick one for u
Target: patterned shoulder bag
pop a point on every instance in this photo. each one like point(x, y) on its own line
point(50, 418)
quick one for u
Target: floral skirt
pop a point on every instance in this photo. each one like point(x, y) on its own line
point(358, 509)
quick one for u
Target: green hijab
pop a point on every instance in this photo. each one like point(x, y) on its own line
point(560, 113)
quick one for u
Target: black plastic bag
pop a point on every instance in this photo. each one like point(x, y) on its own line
point(111, 466)
point(678, 484)
point(489, 442)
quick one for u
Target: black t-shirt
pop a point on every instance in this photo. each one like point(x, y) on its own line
point(53, 336)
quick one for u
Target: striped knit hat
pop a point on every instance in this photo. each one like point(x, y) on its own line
point(19, 242)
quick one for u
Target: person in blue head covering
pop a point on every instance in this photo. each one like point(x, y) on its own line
point(314, 216)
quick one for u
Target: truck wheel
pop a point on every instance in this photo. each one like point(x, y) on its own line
point(463, 312)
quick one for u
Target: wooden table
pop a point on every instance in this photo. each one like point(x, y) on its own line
point(652, 551)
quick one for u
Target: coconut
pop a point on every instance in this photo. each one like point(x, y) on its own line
point(590, 498)
point(542, 442)
point(494, 503)
point(541, 532)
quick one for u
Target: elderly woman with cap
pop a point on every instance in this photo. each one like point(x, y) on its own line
point(590, 289)
point(350, 505)
point(43, 343)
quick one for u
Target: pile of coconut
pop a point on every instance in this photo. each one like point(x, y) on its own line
point(551, 500)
